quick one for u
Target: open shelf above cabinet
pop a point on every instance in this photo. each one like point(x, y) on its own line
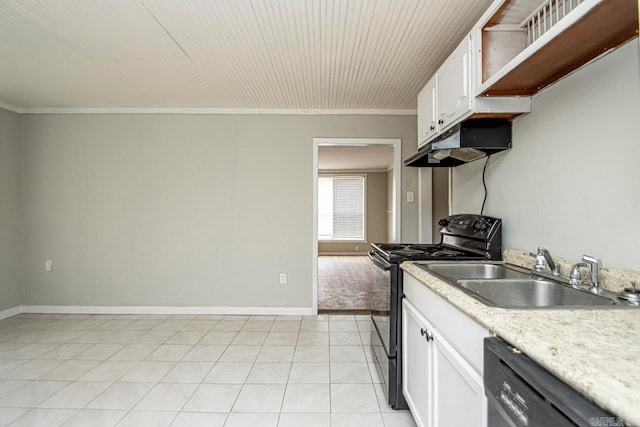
point(516, 61)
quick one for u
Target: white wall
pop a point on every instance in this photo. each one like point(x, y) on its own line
point(440, 200)
point(9, 209)
point(179, 210)
point(571, 182)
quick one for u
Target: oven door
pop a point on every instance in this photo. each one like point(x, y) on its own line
point(386, 296)
point(382, 273)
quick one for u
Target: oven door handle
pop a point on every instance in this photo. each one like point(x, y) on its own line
point(378, 261)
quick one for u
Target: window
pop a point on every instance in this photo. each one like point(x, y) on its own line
point(341, 207)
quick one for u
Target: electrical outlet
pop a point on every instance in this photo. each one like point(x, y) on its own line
point(357, 248)
point(410, 197)
point(283, 278)
point(48, 265)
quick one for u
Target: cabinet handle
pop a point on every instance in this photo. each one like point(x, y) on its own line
point(426, 334)
point(440, 121)
point(432, 127)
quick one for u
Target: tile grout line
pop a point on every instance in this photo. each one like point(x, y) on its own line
point(167, 373)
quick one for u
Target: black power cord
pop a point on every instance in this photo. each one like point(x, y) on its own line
point(484, 184)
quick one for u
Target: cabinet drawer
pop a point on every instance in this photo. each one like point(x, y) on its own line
point(462, 332)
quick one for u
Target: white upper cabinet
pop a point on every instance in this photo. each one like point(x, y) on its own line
point(445, 99)
point(448, 97)
point(453, 84)
point(517, 48)
point(428, 110)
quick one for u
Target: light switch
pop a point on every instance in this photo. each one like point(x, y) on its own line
point(283, 278)
point(48, 265)
point(410, 197)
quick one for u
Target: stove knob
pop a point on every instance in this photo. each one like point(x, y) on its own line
point(443, 222)
point(481, 225)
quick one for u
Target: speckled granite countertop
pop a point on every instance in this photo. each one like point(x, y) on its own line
point(597, 351)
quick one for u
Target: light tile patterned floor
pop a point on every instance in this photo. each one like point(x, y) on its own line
point(204, 370)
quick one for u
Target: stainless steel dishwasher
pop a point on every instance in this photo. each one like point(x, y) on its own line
point(521, 393)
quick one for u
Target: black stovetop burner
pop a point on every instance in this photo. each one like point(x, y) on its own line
point(417, 251)
point(408, 251)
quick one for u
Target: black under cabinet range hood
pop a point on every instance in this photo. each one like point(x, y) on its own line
point(465, 142)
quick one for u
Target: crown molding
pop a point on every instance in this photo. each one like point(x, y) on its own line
point(146, 110)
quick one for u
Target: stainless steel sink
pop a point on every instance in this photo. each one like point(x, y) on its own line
point(530, 293)
point(512, 287)
point(456, 271)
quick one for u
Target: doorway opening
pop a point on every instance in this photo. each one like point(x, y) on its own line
point(356, 202)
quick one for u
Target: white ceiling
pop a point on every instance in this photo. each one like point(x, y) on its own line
point(226, 54)
point(355, 158)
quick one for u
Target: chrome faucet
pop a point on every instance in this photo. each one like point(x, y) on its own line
point(544, 260)
point(596, 265)
point(574, 276)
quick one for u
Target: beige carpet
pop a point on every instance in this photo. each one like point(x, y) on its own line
point(344, 282)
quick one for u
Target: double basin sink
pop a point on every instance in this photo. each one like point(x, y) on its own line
point(508, 287)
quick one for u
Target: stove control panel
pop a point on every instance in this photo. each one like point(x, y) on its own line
point(477, 233)
point(467, 225)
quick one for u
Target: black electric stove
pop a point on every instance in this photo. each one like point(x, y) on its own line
point(462, 238)
point(399, 252)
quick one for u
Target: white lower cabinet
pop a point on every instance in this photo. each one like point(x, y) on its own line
point(417, 361)
point(458, 390)
point(440, 386)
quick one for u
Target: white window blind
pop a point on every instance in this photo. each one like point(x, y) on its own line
point(341, 207)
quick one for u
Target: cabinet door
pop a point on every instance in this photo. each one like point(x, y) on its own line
point(416, 362)
point(458, 390)
point(454, 100)
point(427, 114)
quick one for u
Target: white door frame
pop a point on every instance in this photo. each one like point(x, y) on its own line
point(397, 194)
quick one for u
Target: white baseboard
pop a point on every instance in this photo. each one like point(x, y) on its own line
point(342, 253)
point(97, 309)
point(10, 312)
